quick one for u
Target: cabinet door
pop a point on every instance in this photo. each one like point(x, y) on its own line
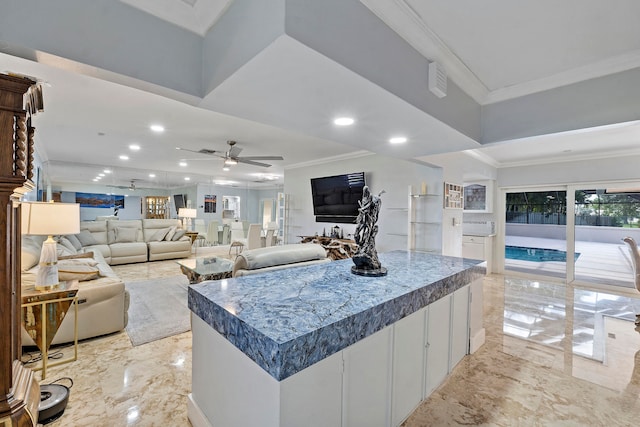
point(459, 326)
point(366, 381)
point(408, 365)
point(438, 338)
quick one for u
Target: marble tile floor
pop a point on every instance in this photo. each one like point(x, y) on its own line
point(526, 373)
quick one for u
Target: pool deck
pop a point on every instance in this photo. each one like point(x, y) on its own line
point(601, 263)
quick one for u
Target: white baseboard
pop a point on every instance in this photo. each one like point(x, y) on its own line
point(195, 415)
point(476, 341)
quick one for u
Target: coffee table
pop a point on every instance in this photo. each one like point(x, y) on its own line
point(206, 268)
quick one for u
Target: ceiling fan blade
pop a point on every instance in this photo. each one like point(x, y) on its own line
point(202, 151)
point(234, 151)
point(251, 162)
point(261, 158)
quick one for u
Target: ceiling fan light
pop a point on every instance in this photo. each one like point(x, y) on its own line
point(230, 162)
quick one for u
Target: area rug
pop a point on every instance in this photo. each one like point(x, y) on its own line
point(157, 309)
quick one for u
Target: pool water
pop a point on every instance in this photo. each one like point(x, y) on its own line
point(536, 254)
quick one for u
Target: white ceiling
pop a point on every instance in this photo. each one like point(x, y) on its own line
point(494, 50)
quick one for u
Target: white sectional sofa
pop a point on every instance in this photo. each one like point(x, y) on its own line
point(102, 300)
point(125, 242)
point(102, 297)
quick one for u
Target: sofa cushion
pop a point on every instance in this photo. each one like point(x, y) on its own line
point(98, 230)
point(30, 253)
point(171, 233)
point(73, 239)
point(86, 238)
point(135, 224)
point(159, 235)
point(66, 243)
point(77, 256)
point(125, 235)
point(179, 233)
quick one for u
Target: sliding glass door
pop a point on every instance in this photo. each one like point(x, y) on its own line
point(535, 232)
point(572, 232)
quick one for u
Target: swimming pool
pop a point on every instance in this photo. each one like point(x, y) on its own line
point(536, 254)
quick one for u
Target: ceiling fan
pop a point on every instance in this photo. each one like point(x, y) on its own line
point(131, 186)
point(231, 155)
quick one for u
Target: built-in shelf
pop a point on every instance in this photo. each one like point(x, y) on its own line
point(425, 222)
point(424, 231)
point(396, 234)
point(425, 195)
point(398, 209)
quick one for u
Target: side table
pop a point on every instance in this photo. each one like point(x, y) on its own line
point(42, 314)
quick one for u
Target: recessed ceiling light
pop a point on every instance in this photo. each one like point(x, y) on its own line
point(157, 128)
point(134, 147)
point(101, 174)
point(124, 157)
point(107, 171)
point(152, 175)
point(95, 180)
point(230, 161)
point(226, 168)
point(343, 121)
point(398, 140)
point(183, 164)
point(186, 178)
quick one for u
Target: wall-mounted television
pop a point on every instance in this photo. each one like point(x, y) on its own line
point(180, 201)
point(335, 198)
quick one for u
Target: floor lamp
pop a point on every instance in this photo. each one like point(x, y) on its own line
point(49, 219)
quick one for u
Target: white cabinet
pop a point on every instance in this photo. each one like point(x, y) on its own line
point(478, 247)
point(425, 223)
point(438, 336)
point(367, 381)
point(478, 196)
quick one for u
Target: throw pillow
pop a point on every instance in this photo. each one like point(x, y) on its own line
point(30, 253)
point(75, 256)
point(159, 235)
point(170, 234)
point(74, 241)
point(81, 272)
point(178, 235)
point(66, 243)
point(126, 234)
point(86, 238)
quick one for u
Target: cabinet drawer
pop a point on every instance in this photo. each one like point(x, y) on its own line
point(473, 239)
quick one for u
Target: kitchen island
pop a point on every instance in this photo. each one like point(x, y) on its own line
point(319, 346)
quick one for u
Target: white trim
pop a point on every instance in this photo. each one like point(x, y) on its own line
point(348, 156)
point(195, 415)
point(477, 341)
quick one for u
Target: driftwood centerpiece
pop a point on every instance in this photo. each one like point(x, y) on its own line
point(366, 258)
point(336, 248)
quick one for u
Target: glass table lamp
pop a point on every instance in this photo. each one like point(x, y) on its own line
point(49, 219)
point(188, 214)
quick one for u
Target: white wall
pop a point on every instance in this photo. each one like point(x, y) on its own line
point(381, 173)
point(459, 168)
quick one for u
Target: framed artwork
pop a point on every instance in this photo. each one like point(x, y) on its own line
point(94, 200)
point(210, 203)
point(453, 196)
point(118, 202)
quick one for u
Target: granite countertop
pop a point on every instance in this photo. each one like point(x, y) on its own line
point(288, 319)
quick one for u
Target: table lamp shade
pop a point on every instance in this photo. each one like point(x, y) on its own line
point(49, 219)
point(187, 213)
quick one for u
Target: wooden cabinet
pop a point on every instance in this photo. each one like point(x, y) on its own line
point(156, 207)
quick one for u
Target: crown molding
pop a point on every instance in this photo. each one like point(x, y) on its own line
point(403, 19)
point(348, 156)
point(591, 71)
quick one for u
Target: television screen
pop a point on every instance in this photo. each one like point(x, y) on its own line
point(180, 200)
point(335, 198)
